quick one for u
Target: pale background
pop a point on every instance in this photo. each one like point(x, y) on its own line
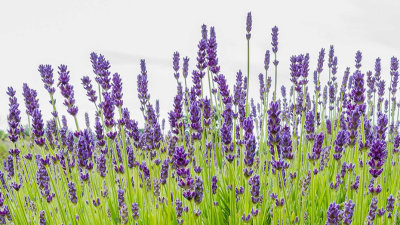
point(55, 32)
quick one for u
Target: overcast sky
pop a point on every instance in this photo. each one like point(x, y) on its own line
point(55, 32)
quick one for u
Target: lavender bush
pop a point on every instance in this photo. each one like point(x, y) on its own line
point(319, 153)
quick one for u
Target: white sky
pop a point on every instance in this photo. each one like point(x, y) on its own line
point(55, 32)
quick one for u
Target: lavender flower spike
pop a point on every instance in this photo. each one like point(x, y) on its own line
point(108, 110)
point(378, 70)
point(266, 61)
point(101, 68)
point(358, 59)
point(248, 25)
point(31, 102)
point(331, 56)
point(46, 72)
point(14, 117)
point(274, 39)
point(38, 127)
point(358, 88)
point(142, 82)
point(185, 67)
point(67, 90)
point(212, 52)
point(274, 127)
point(333, 214)
point(175, 64)
point(321, 60)
point(394, 66)
point(377, 156)
point(87, 85)
point(117, 90)
point(348, 212)
point(341, 140)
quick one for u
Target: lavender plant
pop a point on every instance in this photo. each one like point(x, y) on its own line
point(304, 158)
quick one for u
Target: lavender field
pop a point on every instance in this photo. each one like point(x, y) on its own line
point(307, 152)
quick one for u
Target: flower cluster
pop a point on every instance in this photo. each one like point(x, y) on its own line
point(322, 152)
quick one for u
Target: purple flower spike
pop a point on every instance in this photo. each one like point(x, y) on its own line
point(381, 92)
point(108, 110)
point(283, 91)
point(390, 204)
point(286, 143)
point(341, 140)
point(345, 80)
point(46, 72)
point(164, 171)
point(245, 218)
point(31, 102)
point(248, 25)
point(377, 154)
point(207, 112)
point(396, 144)
point(214, 184)
point(87, 85)
point(204, 32)
point(381, 127)
point(101, 165)
point(180, 158)
point(358, 59)
point(262, 87)
point(85, 149)
point(372, 210)
point(331, 56)
point(254, 212)
point(299, 69)
point(348, 212)
point(250, 142)
point(358, 88)
point(142, 82)
point(135, 211)
point(332, 96)
point(117, 90)
point(67, 90)
point(101, 68)
point(176, 114)
point(178, 208)
point(198, 190)
point(9, 166)
point(274, 39)
point(38, 127)
point(14, 117)
point(175, 63)
point(321, 60)
point(185, 68)
point(255, 189)
point(195, 118)
point(42, 220)
point(328, 126)
point(309, 125)
point(334, 67)
point(317, 147)
point(238, 93)
point(333, 214)
point(267, 60)
point(223, 88)
point(378, 69)
point(202, 53)
point(273, 125)
point(394, 66)
point(72, 192)
point(212, 52)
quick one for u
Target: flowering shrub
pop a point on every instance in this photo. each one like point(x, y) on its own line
point(328, 156)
